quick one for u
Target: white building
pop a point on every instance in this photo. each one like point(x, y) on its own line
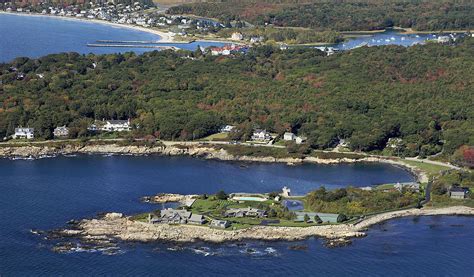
point(237, 36)
point(261, 135)
point(286, 192)
point(116, 126)
point(443, 39)
point(289, 136)
point(292, 137)
point(24, 133)
point(62, 131)
point(227, 129)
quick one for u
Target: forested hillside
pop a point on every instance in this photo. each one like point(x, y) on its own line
point(345, 15)
point(422, 94)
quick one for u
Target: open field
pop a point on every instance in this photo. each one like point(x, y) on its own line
point(426, 167)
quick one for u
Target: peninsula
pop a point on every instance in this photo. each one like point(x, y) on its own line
point(116, 226)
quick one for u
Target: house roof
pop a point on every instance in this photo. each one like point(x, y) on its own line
point(117, 122)
point(196, 217)
point(458, 189)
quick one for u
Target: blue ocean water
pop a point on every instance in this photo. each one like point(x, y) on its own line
point(36, 36)
point(45, 194)
point(388, 37)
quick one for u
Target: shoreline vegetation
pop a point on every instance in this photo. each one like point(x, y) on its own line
point(117, 226)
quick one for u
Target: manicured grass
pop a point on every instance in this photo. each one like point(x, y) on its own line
point(216, 137)
point(384, 186)
point(427, 167)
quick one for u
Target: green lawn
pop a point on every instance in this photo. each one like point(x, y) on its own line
point(428, 168)
point(216, 137)
point(385, 186)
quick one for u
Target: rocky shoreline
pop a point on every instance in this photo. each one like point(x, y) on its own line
point(204, 151)
point(115, 226)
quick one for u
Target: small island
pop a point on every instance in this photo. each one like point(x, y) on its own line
point(335, 215)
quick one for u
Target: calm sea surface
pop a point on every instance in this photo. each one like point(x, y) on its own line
point(36, 36)
point(45, 194)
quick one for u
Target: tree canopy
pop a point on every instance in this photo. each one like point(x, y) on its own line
point(422, 94)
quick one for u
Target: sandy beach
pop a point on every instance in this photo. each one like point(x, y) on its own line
point(166, 37)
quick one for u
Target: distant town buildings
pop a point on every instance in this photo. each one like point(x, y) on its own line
point(24, 133)
point(228, 49)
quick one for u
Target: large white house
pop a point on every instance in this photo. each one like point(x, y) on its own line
point(24, 133)
point(261, 135)
point(116, 126)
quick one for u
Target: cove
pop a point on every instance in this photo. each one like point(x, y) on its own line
point(44, 194)
point(36, 36)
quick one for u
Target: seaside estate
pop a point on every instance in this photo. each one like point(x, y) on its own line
point(24, 133)
point(62, 131)
point(173, 216)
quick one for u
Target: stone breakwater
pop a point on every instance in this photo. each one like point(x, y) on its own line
point(116, 226)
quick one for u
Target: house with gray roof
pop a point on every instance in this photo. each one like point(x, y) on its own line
point(173, 216)
point(458, 193)
point(220, 224)
point(245, 212)
point(325, 217)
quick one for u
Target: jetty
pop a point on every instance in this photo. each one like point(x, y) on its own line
point(142, 42)
point(163, 47)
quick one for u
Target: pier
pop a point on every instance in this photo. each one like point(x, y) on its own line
point(143, 42)
point(163, 47)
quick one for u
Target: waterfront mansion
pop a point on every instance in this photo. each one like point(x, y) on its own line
point(111, 126)
point(24, 133)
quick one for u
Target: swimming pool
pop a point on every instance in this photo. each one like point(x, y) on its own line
point(249, 198)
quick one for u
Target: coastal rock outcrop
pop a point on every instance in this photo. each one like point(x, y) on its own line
point(124, 228)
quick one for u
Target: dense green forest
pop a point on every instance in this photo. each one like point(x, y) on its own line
point(342, 15)
point(353, 201)
point(422, 94)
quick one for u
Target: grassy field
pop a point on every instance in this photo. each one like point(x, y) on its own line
point(439, 201)
point(428, 168)
point(216, 137)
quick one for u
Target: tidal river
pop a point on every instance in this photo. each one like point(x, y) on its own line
point(45, 194)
